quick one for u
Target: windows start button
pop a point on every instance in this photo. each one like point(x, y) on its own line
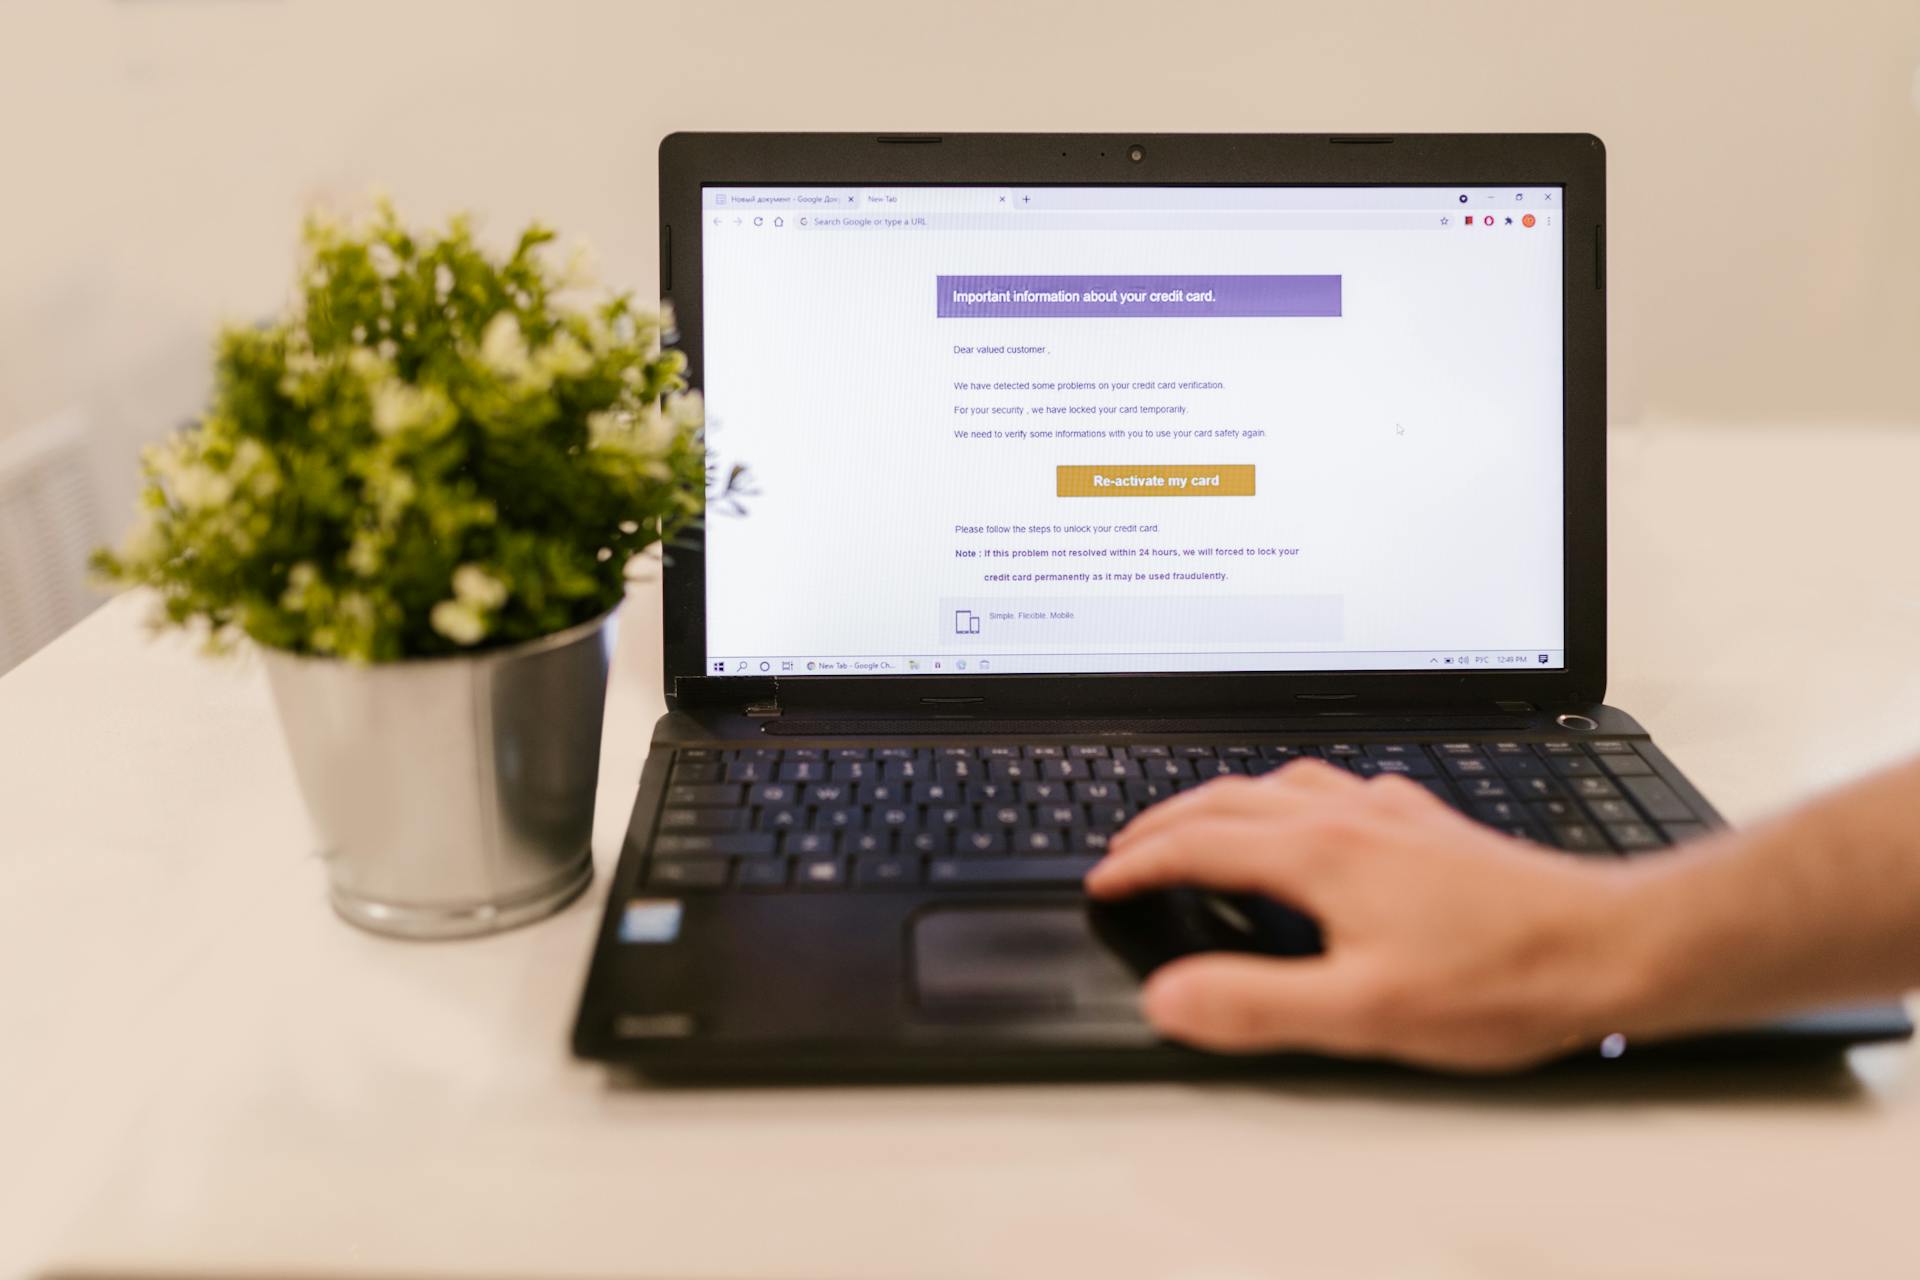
point(1155, 480)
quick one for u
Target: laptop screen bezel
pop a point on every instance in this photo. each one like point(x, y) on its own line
point(1576, 163)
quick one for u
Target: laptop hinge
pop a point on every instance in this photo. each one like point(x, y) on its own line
point(768, 709)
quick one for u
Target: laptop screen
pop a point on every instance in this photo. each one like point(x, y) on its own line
point(1007, 430)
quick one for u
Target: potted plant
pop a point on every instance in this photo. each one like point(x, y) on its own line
point(418, 493)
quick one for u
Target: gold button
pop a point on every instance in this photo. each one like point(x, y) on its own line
point(1157, 480)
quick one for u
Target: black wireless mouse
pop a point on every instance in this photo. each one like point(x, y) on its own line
point(1149, 929)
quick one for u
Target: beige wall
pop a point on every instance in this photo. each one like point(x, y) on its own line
point(155, 154)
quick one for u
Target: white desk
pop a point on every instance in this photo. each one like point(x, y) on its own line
point(205, 1071)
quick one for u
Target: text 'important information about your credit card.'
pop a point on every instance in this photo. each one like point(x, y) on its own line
point(1146, 429)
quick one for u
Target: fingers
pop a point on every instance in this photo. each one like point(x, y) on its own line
point(1300, 780)
point(1253, 1004)
point(1237, 853)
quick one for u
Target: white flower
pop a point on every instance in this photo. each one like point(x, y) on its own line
point(366, 554)
point(688, 410)
point(665, 317)
point(385, 264)
point(460, 623)
point(300, 580)
point(654, 432)
point(563, 357)
point(366, 363)
point(503, 348)
point(399, 407)
point(198, 487)
point(474, 586)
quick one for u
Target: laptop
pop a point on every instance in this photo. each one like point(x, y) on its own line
point(1084, 470)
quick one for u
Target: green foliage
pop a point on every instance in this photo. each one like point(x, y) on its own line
point(436, 450)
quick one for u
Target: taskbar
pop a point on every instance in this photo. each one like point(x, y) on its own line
point(759, 666)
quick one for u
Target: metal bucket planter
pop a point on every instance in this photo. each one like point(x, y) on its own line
point(451, 796)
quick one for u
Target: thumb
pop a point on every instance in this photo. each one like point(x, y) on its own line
point(1233, 1003)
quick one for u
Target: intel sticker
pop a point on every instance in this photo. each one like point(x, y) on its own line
point(650, 920)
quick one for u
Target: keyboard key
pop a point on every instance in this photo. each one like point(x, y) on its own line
point(867, 842)
point(1661, 802)
point(1579, 837)
point(698, 773)
point(976, 872)
point(1140, 752)
point(1037, 840)
point(749, 771)
point(1620, 766)
point(1285, 751)
point(1611, 747)
point(1612, 811)
point(1499, 812)
point(1508, 749)
point(831, 794)
point(810, 843)
point(1467, 766)
point(820, 873)
point(698, 753)
point(1116, 769)
point(1484, 789)
point(703, 820)
point(704, 793)
point(1592, 788)
point(1633, 837)
point(1556, 811)
point(1406, 767)
point(1679, 831)
point(746, 844)
point(783, 818)
point(1535, 788)
point(1559, 749)
point(762, 873)
point(980, 842)
point(1526, 766)
point(886, 873)
point(842, 818)
point(1573, 766)
point(803, 771)
point(1088, 751)
point(934, 842)
point(773, 793)
point(690, 873)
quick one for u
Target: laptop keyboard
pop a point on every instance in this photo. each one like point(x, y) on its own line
point(820, 819)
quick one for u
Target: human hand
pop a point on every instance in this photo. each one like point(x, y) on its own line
point(1447, 944)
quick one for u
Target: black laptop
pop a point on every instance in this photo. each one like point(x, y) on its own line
point(1085, 470)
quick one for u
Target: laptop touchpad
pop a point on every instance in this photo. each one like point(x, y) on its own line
point(1013, 961)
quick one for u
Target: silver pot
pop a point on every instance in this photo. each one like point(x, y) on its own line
point(451, 796)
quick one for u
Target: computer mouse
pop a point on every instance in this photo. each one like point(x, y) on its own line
point(1149, 929)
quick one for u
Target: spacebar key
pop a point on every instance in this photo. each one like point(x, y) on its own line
point(1003, 871)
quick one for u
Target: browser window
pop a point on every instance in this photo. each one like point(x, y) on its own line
point(1012, 430)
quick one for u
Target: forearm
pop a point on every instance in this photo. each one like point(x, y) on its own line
point(1818, 905)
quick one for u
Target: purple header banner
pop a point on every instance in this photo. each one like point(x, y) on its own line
point(1153, 297)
